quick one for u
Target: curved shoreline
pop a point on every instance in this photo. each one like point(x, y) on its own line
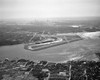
point(29, 46)
point(85, 35)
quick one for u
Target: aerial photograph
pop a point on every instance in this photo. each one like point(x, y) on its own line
point(49, 39)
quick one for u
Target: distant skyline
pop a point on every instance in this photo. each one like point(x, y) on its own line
point(34, 9)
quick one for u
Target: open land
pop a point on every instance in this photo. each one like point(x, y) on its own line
point(78, 59)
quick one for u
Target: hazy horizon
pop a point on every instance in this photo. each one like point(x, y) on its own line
point(44, 9)
point(53, 18)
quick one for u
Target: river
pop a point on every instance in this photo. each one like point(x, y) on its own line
point(74, 50)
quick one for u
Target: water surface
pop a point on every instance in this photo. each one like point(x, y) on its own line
point(83, 49)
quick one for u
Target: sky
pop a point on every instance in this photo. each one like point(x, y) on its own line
point(13, 9)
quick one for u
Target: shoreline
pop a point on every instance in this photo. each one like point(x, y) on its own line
point(26, 46)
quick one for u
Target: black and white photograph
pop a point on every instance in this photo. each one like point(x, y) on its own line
point(49, 39)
